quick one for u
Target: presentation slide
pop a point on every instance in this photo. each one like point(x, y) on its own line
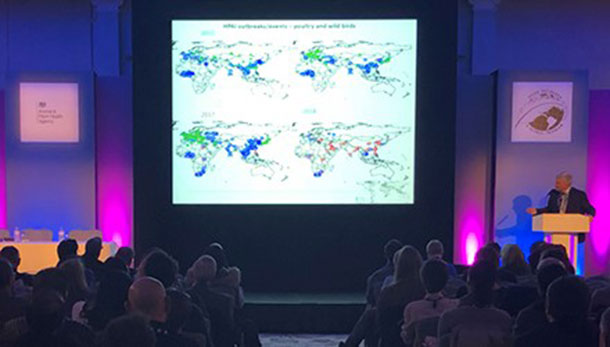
point(293, 111)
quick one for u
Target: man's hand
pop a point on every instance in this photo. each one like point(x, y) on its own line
point(532, 210)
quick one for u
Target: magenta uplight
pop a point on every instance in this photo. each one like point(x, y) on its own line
point(598, 182)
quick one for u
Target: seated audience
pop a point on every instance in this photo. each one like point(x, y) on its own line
point(109, 303)
point(77, 284)
point(228, 278)
point(129, 331)
point(534, 317)
point(407, 287)
point(536, 250)
point(10, 306)
point(488, 253)
point(436, 250)
point(600, 301)
point(180, 313)
point(514, 265)
point(479, 324)
point(127, 255)
point(147, 296)
point(434, 275)
point(47, 325)
point(218, 306)
point(93, 249)
point(375, 280)
point(11, 254)
point(567, 308)
point(116, 264)
point(161, 266)
point(67, 249)
point(559, 252)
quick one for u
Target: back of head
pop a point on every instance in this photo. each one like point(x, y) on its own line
point(488, 254)
point(7, 275)
point(147, 297)
point(11, 254)
point(434, 275)
point(204, 269)
point(558, 252)
point(93, 247)
point(481, 280)
point(161, 266)
point(110, 299)
point(45, 313)
point(129, 331)
point(53, 279)
point(408, 265)
point(567, 301)
point(536, 251)
point(126, 254)
point(67, 249)
point(75, 273)
point(513, 259)
point(390, 248)
point(435, 249)
point(549, 270)
point(216, 251)
point(115, 264)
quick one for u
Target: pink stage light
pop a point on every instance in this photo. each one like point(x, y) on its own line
point(471, 233)
point(2, 164)
point(472, 246)
point(598, 183)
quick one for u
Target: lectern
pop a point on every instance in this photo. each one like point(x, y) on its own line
point(563, 229)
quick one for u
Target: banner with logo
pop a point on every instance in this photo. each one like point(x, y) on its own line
point(542, 112)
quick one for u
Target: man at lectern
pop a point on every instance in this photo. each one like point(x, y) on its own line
point(565, 199)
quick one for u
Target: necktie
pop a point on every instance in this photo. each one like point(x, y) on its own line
point(563, 203)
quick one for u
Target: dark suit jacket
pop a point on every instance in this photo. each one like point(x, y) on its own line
point(577, 203)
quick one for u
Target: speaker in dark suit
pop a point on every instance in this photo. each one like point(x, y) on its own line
point(566, 199)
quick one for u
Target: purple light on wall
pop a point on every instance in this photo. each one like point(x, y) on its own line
point(598, 182)
point(2, 164)
point(114, 159)
point(470, 232)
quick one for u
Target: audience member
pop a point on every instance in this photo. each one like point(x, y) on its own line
point(219, 306)
point(559, 252)
point(127, 255)
point(490, 254)
point(67, 249)
point(407, 287)
point(534, 317)
point(116, 264)
point(128, 331)
point(479, 324)
point(10, 306)
point(109, 303)
point(180, 317)
point(93, 249)
point(147, 296)
point(77, 284)
point(228, 278)
point(567, 307)
point(375, 280)
point(434, 275)
point(536, 250)
point(161, 266)
point(436, 250)
point(513, 261)
point(47, 325)
point(11, 253)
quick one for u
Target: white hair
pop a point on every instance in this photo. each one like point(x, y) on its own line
point(566, 176)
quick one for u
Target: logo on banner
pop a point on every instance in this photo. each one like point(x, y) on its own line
point(542, 112)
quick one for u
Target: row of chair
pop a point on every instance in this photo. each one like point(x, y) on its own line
point(46, 235)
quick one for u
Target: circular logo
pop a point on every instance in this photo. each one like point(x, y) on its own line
point(543, 113)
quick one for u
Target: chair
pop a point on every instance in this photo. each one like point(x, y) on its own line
point(84, 235)
point(5, 234)
point(37, 235)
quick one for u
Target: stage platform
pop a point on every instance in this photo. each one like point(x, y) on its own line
point(305, 313)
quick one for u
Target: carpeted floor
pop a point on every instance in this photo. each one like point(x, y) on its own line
point(301, 340)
